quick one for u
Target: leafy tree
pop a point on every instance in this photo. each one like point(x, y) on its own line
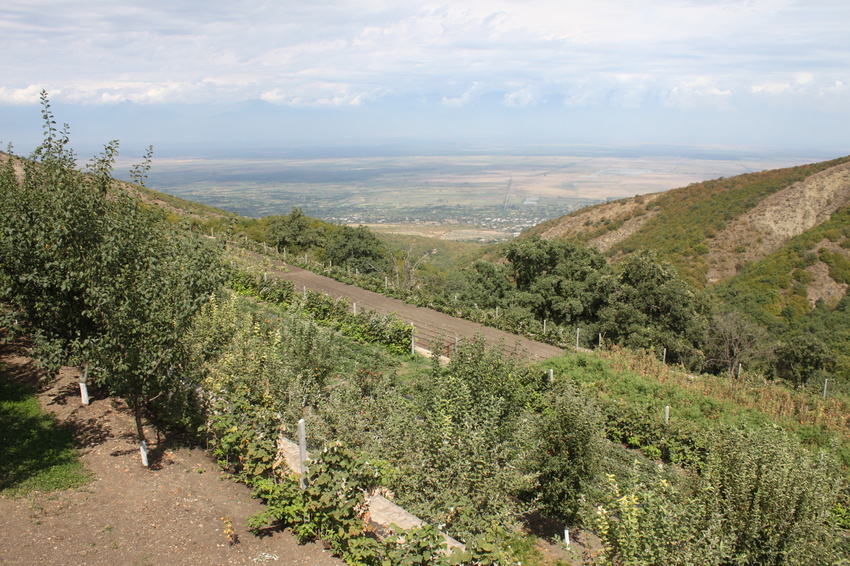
point(648, 306)
point(466, 427)
point(52, 223)
point(293, 231)
point(569, 447)
point(148, 283)
point(759, 499)
point(485, 285)
point(557, 279)
point(357, 248)
point(98, 277)
point(767, 500)
point(801, 356)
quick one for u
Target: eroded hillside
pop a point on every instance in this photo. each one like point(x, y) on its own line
point(710, 230)
point(775, 220)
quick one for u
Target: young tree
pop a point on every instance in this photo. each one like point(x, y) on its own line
point(95, 275)
point(52, 223)
point(148, 284)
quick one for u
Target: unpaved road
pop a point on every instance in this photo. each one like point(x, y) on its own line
point(433, 329)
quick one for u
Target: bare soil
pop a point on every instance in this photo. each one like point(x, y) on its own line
point(434, 331)
point(776, 219)
point(171, 513)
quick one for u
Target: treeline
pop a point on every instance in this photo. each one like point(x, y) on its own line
point(566, 292)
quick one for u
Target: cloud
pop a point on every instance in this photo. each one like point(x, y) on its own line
point(343, 52)
point(695, 93)
point(532, 56)
point(19, 96)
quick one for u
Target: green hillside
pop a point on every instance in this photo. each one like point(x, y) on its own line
point(681, 224)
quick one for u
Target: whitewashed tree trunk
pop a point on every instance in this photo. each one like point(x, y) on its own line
point(84, 388)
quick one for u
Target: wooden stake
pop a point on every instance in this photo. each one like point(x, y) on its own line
point(302, 452)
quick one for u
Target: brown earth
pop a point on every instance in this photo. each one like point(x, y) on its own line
point(170, 514)
point(633, 212)
point(776, 219)
point(433, 330)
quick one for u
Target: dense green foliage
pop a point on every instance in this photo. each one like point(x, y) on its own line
point(99, 279)
point(363, 326)
point(472, 446)
point(759, 499)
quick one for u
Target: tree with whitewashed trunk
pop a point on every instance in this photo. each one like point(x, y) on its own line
point(52, 220)
point(98, 278)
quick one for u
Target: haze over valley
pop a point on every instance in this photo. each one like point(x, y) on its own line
point(473, 196)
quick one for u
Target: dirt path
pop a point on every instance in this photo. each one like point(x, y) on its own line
point(431, 327)
point(170, 514)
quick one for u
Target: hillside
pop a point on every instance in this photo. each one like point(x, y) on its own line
point(710, 230)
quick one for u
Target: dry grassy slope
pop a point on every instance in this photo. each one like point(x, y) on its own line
point(776, 219)
point(750, 237)
point(594, 222)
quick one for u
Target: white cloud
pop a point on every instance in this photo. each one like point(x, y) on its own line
point(346, 52)
point(699, 92)
point(17, 96)
point(468, 96)
point(521, 98)
point(663, 55)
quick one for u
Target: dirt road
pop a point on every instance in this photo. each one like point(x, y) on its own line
point(433, 329)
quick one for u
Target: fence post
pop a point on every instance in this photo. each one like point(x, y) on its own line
point(302, 452)
point(664, 357)
point(667, 414)
point(825, 383)
point(412, 339)
point(551, 375)
point(544, 326)
point(355, 307)
point(578, 330)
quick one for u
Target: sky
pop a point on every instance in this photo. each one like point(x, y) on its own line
point(248, 75)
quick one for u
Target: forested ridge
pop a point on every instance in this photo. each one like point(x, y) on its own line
point(700, 431)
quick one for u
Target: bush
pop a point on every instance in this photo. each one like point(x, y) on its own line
point(569, 447)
